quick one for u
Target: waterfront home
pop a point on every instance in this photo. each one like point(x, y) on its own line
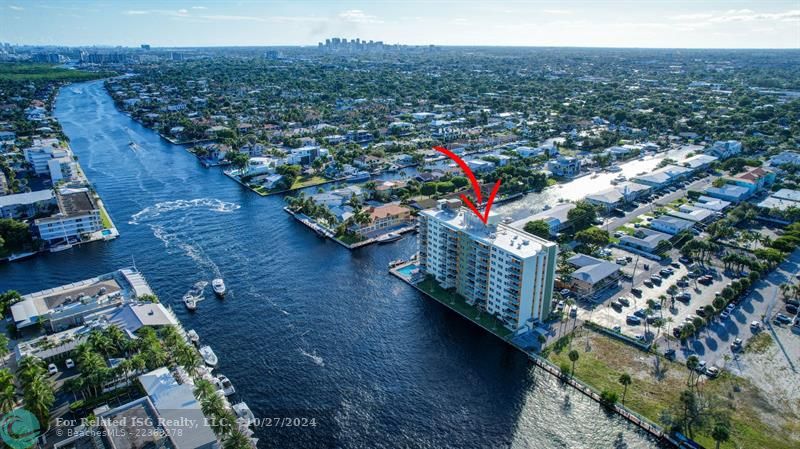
point(387, 216)
point(729, 192)
point(525, 151)
point(670, 224)
point(260, 166)
point(367, 162)
point(389, 187)
point(272, 181)
point(592, 275)
point(480, 166)
point(404, 160)
point(557, 218)
point(28, 204)
point(725, 149)
point(643, 239)
point(77, 216)
point(68, 305)
point(306, 155)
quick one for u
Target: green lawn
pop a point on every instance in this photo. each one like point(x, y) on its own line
point(27, 72)
point(349, 239)
point(105, 218)
point(459, 304)
point(307, 181)
point(602, 360)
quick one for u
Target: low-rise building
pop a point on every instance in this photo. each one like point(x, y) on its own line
point(692, 213)
point(712, 204)
point(41, 152)
point(78, 215)
point(729, 192)
point(592, 275)
point(785, 158)
point(557, 218)
point(754, 179)
point(670, 224)
point(387, 216)
point(699, 162)
point(28, 204)
point(644, 239)
point(663, 177)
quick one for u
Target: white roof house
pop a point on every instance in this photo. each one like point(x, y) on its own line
point(692, 213)
point(670, 225)
point(714, 204)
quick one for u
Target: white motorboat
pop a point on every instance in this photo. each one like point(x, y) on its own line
point(193, 337)
point(389, 237)
point(243, 413)
point(224, 384)
point(62, 247)
point(219, 287)
point(190, 301)
point(208, 356)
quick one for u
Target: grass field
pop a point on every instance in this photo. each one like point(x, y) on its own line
point(308, 181)
point(603, 359)
point(105, 218)
point(47, 72)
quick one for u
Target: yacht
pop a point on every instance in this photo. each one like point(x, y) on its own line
point(193, 337)
point(190, 301)
point(243, 413)
point(219, 287)
point(208, 356)
point(359, 176)
point(389, 237)
point(62, 247)
point(225, 385)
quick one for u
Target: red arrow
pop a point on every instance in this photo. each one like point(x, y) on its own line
point(476, 187)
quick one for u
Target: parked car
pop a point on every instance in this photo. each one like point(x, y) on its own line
point(782, 319)
point(573, 312)
point(675, 265)
point(636, 291)
point(701, 312)
point(633, 320)
point(647, 266)
point(641, 313)
point(701, 366)
point(684, 296)
point(69, 364)
point(682, 283)
point(676, 331)
point(791, 309)
point(736, 345)
point(685, 260)
point(724, 315)
point(617, 328)
point(52, 368)
point(712, 372)
point(670, 354)
point(755, 326)
point(624, 301)
point(621, 261)
point(648, 283)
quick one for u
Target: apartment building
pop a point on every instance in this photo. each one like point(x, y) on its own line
point(503, 271)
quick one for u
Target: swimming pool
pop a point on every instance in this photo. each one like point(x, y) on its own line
point(407, 271)
point(106, 232)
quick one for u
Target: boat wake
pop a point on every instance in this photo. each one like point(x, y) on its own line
point(159, 209)
point(314, 357)
point(173, 229)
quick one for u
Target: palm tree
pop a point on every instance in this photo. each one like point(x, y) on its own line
point(237, 440)
point(187, 357)
point(573, 357)
point(204, 389)
point(625, 380)
point(3, 346)
point(8, 398)
point(38, 397)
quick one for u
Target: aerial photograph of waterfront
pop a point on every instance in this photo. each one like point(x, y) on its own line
point(400, 224)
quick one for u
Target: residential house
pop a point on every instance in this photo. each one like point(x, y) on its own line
point(565, 167)
point(729, 192)
point(663, 177)
point(387, 217)
point(785, 158)
point(643, 239)
point(699, 162)
point(753, 179)
point(712, 204)
point(692, 213)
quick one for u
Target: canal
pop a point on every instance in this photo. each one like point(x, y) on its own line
point(308, 329)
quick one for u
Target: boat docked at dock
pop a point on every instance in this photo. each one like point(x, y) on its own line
point(359, 176)
point(224, 385)
point(243, 413)
point(389, 237)
point(219, 287)
point(193, 336)
point(208, 356)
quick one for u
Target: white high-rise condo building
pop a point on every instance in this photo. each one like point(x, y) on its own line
point(504, 271)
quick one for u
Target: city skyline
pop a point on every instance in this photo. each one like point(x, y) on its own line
point(681, 24)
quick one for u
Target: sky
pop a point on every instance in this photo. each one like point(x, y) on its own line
point(586, 23)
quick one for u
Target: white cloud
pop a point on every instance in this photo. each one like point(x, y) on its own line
point(746, 15)
point(16, 8)
point(136, 12)
point(560, 12)
point(199, 7)
point(183, 11)
point(698, 16)
point(234, 18)
point(358, 16)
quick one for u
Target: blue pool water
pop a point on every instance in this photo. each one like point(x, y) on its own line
point(406, 271)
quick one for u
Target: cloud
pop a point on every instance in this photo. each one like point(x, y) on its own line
point(233, 18)
point(183, 11)
point(16, 8)
point(747, 15)
point(697, 16)
point(560, 12)
point(136, 12)
point(358, 16)
point(199, 7)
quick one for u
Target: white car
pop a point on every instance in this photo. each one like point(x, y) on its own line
point(69, 364)
point(755, 325)
point(52, 368)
